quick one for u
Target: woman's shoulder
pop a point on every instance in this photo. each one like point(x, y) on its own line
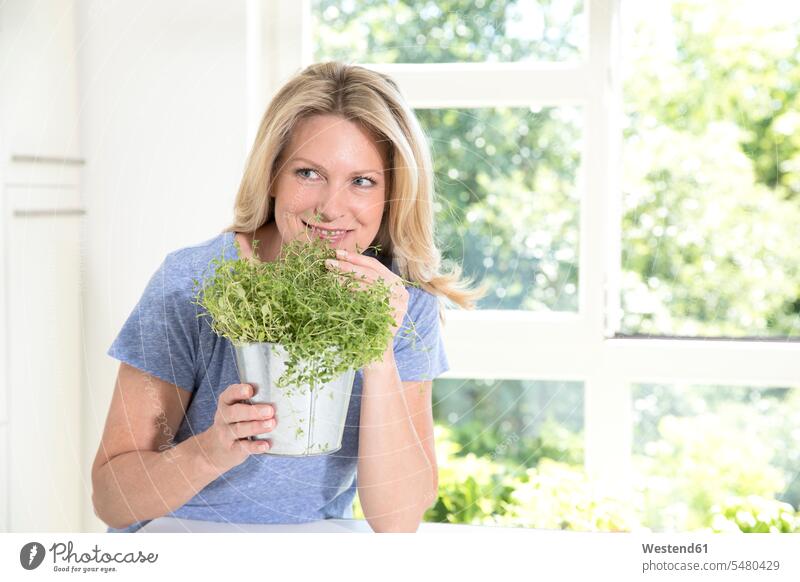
point(196, 254)
point(185, 265)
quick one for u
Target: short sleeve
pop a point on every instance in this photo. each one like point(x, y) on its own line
point(161, 334)
point(419, 349)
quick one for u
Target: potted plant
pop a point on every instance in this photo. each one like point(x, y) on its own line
point(299, 331)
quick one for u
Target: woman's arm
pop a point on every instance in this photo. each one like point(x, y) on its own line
point(139, 473)
point(397, 471)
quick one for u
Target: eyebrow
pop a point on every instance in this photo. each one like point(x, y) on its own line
point(313, 163)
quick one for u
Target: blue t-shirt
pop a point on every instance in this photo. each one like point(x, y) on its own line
point(164, 337)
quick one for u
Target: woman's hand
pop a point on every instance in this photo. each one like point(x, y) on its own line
point(225, 443)
point(369, 270)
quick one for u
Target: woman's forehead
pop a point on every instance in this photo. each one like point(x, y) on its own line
point(332, 140)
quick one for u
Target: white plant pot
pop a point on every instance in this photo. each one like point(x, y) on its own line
point(308, 422)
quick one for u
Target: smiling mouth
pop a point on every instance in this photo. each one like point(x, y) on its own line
point(326, 231)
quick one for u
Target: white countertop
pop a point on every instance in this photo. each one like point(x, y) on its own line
point(175, 525)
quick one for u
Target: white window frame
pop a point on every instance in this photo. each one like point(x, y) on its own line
point(547, 346)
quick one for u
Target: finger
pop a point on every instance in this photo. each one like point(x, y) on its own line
point(358, 281)
point(364, 276)
point(397, 287)
point(371, 275)
point(343, 275)
point(236, 393)
point(254, 427)
point(364, 261)
point(359, 272)
point(253, 447)
point(241, 412)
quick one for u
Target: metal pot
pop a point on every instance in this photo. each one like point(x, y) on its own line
point(308, 422)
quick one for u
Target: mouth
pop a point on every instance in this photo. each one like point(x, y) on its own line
point(331, 234)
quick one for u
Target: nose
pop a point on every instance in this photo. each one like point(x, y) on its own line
point(330, 206)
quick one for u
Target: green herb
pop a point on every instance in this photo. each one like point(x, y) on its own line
point(322, 318)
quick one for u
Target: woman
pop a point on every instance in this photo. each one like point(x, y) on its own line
point(338, 149)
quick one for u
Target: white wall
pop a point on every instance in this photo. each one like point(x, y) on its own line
point(163, 131)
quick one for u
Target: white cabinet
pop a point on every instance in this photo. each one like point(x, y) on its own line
point(42, 250)
point(41, 488)
point(39, 78)
point(3, 478)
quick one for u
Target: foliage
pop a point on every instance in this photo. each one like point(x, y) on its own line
point(472, 489)
point(553, 495)
point(711, 173)
point(502, 174)
point(744, 416)
point(754, 514)
point(516, 421)
point(556, 495)
point(694, 464)
point(730, 60)
point(481, 490)
point(325, 320)
point(707, 249)
point(447, 31)
point(553, 441)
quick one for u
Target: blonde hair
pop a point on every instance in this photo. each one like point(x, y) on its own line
point(373, 100)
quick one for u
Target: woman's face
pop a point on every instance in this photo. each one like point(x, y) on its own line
point(334, 167)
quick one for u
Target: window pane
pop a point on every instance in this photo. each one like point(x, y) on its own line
point(711, 183)
point(510, 453)
point(721, 457)
point(516, 422)
point(508, 201)
point(376, 31)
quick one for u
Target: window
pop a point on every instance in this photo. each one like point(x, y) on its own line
point(448, 32)
point(508, 207)
point(702, 451)
point(634, 183)
point(711, 162)
point(500, 442)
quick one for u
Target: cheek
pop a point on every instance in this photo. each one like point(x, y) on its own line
point(292, 198)
point(371, 210)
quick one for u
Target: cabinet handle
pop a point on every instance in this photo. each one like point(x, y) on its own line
point(47, 160)
point(49, 213)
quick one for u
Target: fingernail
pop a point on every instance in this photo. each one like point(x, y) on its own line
point(245, 390)
point(267, 411)
point(331, 262)
point(341, 253)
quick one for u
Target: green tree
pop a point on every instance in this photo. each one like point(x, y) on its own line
point(711, 173)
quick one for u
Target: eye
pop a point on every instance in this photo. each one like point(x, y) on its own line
point(370, 180)
point(298, 172)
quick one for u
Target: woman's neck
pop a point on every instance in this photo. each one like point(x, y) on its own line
point(269, 243)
